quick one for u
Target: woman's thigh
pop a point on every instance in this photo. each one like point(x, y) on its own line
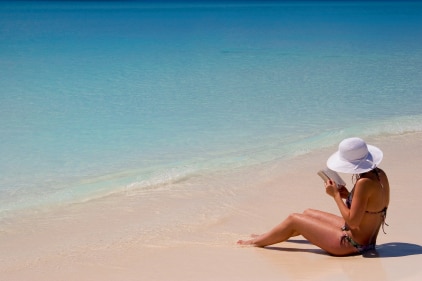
point(325, 217)
point(324, 235)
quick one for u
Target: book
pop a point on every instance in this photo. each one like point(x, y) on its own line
point(327, 174)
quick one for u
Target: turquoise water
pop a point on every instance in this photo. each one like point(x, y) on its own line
point(99, 97)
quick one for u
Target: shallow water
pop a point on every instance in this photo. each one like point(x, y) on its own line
point(100, 97)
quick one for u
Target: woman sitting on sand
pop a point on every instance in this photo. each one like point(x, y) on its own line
point(362, 213)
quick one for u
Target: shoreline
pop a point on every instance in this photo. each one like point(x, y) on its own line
point(133, 179)
point(190, 232)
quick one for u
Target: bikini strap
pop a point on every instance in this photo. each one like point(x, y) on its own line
point(383, 213)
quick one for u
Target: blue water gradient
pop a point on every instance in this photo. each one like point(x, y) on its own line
point(97, 97)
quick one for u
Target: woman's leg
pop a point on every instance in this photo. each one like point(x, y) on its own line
point(325, 217)
point(323, 235)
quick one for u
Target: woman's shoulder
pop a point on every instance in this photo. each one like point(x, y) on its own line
point(366, 185)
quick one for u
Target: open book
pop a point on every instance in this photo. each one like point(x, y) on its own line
point(327, 174)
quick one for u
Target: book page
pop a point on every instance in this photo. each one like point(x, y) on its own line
point(326, 174)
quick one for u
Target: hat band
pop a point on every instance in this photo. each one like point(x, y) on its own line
point(365, 159)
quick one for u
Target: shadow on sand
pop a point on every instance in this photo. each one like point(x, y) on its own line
point(393, 250)
point(388, 250)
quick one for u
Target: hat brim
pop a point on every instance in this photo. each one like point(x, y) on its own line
point(338, 164)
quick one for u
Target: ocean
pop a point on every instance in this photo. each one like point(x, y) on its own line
point(102, 97)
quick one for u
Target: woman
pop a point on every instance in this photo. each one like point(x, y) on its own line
point(362, 213)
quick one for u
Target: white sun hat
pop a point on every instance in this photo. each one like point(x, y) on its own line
point(354, 156)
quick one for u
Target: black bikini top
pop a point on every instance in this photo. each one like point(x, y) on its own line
point(383, 212)
point(349, 204)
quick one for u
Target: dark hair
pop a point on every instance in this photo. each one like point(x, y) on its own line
point(376, 171)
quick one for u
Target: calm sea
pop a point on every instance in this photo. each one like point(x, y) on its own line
point(97, 97)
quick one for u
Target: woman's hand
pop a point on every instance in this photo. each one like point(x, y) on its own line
point(344, 193)
point(331, 188)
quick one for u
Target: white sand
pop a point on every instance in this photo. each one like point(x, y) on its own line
point(190, 234)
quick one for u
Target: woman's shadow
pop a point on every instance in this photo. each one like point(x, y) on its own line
point(387, 250)
point(393, 250)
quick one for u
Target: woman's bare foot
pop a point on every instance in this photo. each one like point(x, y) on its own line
point(248, 242)
point(245, 242)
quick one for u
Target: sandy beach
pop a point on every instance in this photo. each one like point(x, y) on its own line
point(186, 232)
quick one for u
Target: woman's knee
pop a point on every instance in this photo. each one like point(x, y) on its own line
point(294, 217)
point(296, 222)
point(309, 212)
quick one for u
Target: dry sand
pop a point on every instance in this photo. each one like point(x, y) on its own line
point(190, 233)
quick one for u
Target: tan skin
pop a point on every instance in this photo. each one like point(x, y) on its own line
point(324, 229)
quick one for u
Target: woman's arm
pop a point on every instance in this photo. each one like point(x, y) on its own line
point(354, 215)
